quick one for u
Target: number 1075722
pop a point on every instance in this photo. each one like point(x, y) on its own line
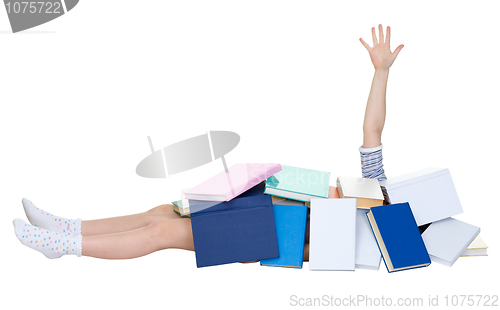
point(33, 7)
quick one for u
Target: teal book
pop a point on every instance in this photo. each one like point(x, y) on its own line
point(298, 184)
point(290, 224)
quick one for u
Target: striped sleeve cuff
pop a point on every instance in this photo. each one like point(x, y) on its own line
point(372, 166)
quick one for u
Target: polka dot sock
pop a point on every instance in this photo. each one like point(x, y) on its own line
point(43, 219)
point(51, 244)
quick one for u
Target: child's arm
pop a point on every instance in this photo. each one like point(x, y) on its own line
point(382, 59)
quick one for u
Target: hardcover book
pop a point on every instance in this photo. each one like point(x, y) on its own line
point(367, 191)
point(298, 184)
point(430, 192)
point(240, 230)
point(367, 252)
point(476, 248)
point(184, 206)
point(332, 243)
point(227, 185)
point(290, 223)
point(398, 237)
point(447, 239)
point(178, 210)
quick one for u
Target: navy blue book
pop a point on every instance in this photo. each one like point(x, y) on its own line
point(290, 230)
point(239, 230)
point(398, 237)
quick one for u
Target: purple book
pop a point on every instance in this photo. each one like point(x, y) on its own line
point(227, 185)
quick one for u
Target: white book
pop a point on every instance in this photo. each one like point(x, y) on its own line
point(367, 251)
point(332, 243)
point(359, 187)
point(367, 191)
point(447, 239)
point(477, 248)
point(430, 193)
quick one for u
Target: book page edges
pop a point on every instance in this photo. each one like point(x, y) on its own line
point(291, 195)
point(367, 203)
point(380, 241)
point(412, 178)
point(474, 252)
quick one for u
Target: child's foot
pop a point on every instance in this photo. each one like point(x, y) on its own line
point(43, 219)
point(51, 244)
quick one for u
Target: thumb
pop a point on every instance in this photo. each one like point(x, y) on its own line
point(397, 50)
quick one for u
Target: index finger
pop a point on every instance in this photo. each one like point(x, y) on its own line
point(374, 37)
point(388, 35)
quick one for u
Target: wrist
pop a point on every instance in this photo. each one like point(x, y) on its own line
point(382, 70)
point(382, 73)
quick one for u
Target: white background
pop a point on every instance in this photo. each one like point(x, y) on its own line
point(80, 94)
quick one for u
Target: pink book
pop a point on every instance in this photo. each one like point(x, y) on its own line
point(227, 185)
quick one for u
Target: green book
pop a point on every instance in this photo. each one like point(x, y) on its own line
point(298, 184)
point(179, 209)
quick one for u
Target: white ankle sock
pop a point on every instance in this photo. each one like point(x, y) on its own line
point(43, 219)
point(51, 244)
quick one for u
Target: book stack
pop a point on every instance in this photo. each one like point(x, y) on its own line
point(433, 199)
point(267, 212)
point(231, 218)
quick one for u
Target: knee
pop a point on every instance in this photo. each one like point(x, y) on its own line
point(158, 229)
point(171, 234)
point(162, 209)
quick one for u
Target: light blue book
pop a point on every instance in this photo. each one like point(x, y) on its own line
point(290, 230)
point(298, 184)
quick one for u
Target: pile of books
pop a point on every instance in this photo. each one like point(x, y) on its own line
point(260, 212)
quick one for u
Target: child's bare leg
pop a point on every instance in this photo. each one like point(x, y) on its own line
point(128, 222)
point(46, 220)
point(158, 235)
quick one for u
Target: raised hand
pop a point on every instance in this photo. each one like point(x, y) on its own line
point(380, 53)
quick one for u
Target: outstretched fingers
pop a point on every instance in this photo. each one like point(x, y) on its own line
point(388, 36)
point(380, 34)
point(374, 37)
